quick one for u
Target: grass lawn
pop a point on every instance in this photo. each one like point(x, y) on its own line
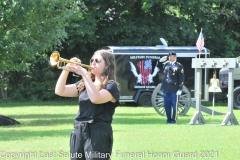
point(139, 133)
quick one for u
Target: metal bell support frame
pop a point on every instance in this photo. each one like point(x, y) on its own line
point(199, 64)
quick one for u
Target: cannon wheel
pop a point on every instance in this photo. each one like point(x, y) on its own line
point(184, 101)
point(236, 97)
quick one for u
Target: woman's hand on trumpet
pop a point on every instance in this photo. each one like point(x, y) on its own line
point(76, 68)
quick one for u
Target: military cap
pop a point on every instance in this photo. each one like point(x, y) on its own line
point(172, 53)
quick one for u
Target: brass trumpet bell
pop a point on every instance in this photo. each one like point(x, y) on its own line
point(214, 84)
point(55, 59)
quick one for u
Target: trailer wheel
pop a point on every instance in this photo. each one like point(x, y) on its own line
point(145, 99)
point(236, 97)
point(184, 101)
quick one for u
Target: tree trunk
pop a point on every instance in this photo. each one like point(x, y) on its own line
point(4, 94)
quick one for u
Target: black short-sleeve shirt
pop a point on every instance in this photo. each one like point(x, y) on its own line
point(99, 112)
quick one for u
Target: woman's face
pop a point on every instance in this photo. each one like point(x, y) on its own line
point(98, 64)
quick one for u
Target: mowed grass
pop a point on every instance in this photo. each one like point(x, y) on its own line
point(139, 133)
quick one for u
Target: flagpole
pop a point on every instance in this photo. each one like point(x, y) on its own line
point(200, 52)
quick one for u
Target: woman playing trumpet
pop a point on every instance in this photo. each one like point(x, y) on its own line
point(98, 93)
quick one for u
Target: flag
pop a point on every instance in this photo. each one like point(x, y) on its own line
point(145, 68)
point(200, 42)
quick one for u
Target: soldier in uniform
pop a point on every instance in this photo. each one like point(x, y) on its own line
point(172, 84)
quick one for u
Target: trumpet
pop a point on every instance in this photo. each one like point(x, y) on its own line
point(55, 59)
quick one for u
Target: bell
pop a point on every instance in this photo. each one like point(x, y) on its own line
point(214, 84)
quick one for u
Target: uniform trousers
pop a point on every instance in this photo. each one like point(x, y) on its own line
point(170, 106)
point(91, 141)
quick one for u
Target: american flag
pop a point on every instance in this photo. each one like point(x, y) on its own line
point(200, 42)
point(145, 68)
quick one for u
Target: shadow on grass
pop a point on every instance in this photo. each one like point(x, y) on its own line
point(149, 120)
point(58, 119)
point(216, 104)
point(11, 134)
point(119, 118)
point(215, 120)
point(45, 119)
point(137, 114)
point(42, 116)
point(48, 122)
point(47, 103)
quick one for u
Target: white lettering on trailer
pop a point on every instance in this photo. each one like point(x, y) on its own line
point(137, 57)
point(152, 57)
point(126, 97)
point(139, 87)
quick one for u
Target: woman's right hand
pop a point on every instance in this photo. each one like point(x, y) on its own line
point(61, 88)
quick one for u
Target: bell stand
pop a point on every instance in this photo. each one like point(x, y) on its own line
point(201, 63)
point(213, 101)
point(214, 90)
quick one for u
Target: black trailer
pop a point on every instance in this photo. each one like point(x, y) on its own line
point(139, 71)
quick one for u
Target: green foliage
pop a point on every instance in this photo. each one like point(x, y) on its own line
point(36, 84)
point(220, 22)
point(29, 29)
point(178, 21)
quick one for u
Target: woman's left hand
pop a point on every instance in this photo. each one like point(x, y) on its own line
point(77, 68)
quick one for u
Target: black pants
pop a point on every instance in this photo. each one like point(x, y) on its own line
point(91, 141)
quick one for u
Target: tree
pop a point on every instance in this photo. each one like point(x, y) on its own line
point(220, 22)
point(78, 28)
point(143, 22)
point(30, 29)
